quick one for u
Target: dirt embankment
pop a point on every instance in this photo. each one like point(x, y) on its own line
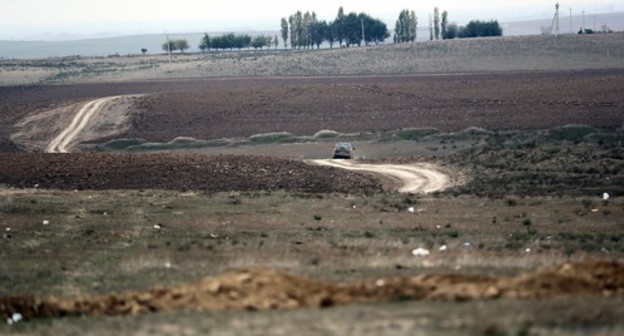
point(267, 290)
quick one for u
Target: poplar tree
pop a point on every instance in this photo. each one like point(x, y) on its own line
point(444, 24)
point(284, 26)
point(436, 23)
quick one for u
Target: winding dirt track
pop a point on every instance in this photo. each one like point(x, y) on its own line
point(81, 120)
point(415, 178)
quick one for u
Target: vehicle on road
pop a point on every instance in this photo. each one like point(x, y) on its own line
point(343, 150)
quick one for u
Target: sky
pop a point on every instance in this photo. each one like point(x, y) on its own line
point(71, 19)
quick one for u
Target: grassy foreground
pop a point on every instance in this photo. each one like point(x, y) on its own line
point(112, 241)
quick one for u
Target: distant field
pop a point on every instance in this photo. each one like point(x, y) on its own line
point(526, 53)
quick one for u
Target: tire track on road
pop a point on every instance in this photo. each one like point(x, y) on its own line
point(415, 178)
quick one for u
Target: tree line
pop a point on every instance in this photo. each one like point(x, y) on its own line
point(406, 27)
point(305, 30)
point(237, 41)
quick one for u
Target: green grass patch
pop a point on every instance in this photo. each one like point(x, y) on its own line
point(416, 133)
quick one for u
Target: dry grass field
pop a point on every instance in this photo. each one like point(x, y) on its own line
point(201, 216)
point(531, 53)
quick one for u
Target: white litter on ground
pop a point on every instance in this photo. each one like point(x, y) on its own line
point(443, 248)
point(46, 222)
point(467, 244)
point(411, 210)
point(606, 196)
point(157, 227)
point(16, 317)
point(380, 283)
point(420, 252)
point(528, 250)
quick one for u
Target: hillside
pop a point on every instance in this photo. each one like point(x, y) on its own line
point(526, 53)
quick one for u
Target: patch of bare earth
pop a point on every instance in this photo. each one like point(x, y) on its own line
point(268, 290)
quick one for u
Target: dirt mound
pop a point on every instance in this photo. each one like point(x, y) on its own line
point(177, 172)
point(265, 290)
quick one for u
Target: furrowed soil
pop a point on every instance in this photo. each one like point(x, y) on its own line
point(527, 240)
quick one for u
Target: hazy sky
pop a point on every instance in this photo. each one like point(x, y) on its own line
point(27, 19)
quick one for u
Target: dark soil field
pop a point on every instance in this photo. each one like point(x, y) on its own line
point(222, 108)
point(177, 172)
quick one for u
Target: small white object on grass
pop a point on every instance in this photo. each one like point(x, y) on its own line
point(528, 250)
point(420, 252)
point(16, 317)
point(168, 265)
point(443, 248)
point(467, 244)
point(157, 227)
point(46, 222)
point(594, 210)
point(8, 229)
point(411, 210)
point(605, 196)
point(380, 283)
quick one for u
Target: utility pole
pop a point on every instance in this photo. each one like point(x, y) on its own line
point(594, 23)
point(169, 47)
point(583, 26)
point(363, 33)
point(555, 24)
point(571, 31)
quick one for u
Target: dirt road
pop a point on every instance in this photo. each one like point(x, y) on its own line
point(414, 178)
point(79, 122)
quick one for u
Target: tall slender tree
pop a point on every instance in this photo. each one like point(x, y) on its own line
point(436, 23)
point(299, 29)
point(284, 31)
point(340, 26)
point(444, 24)
point(430, 28)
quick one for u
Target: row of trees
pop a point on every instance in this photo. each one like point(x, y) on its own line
point(305, 30)
point(173, 45)
point(234, 41)
point(474, 29)
point(406, 27)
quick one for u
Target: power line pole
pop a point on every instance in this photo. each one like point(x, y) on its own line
point(583, 26)
point(363, 33)
point(571, 31)
point(555, 24)
point(169, 47)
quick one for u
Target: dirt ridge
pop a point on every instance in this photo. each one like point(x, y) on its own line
point(260, 289)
